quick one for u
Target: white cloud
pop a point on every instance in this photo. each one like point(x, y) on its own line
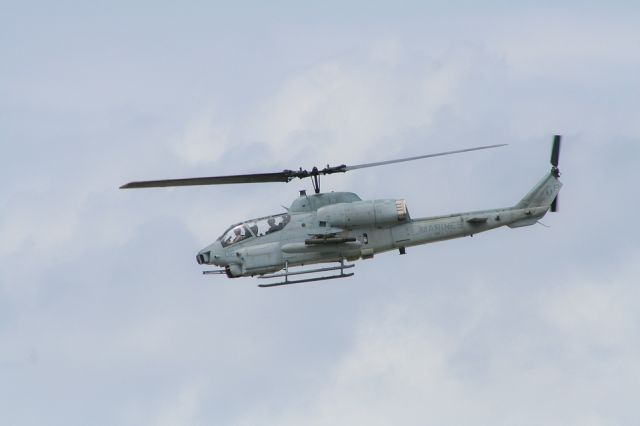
point(596, 312)
point(406, 366)
point(562, 47)
point(348, 108)
point(122, 314)
point(204, 139)
point(38, 221)
point(181, 408)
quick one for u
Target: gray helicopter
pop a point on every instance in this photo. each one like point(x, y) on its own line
point(340, 226)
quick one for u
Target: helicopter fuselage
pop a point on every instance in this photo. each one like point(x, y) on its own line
point(337, 226)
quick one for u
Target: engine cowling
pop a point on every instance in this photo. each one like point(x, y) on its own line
point(363, 213)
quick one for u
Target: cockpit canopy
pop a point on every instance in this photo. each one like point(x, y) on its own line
point(254, 228)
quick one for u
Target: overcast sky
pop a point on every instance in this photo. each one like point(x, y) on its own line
point(105, 318)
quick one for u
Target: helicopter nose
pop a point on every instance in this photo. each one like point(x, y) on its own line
point(209, 255)
point(203, 257)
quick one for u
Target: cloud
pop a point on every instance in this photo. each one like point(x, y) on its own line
point(350, 106)
point(103, 309)
point(576, 46)
point(204, 140)
point(597, 313)
point(568, 367)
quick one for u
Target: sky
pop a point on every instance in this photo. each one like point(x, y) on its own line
point(105, 318)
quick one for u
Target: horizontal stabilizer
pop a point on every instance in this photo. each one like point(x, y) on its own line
point(478, 220)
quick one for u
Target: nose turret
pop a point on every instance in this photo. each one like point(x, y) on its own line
point(210, 255)
point(203, 257)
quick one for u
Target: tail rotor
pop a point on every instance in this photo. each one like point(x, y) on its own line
point(555, 171)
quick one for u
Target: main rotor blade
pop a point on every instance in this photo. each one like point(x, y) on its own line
point(400, 160)
point(284, 176)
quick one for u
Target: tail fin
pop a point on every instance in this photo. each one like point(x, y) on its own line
point(545, 193)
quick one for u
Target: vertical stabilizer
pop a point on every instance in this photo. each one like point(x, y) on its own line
point(545, 193)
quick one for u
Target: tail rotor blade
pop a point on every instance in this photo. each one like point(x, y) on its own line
point(555, 152)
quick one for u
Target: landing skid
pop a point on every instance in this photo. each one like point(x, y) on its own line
point(286, 274)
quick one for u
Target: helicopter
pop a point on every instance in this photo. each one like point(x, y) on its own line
point(340, 227)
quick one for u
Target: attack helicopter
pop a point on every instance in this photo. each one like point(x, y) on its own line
point(340, 227)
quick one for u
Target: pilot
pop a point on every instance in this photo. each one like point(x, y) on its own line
point(272, 226)
point(237, 237)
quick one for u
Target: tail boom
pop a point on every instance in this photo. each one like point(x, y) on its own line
point(538, 201)
point(430, 230)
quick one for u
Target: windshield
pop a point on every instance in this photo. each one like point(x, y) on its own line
point(235, 234)
point(268, 225)
point(255, 227)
